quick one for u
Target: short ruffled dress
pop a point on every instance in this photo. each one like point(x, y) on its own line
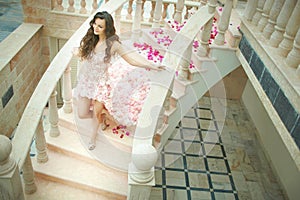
point(122, 87)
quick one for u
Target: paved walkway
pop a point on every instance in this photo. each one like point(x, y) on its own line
point(11, 16)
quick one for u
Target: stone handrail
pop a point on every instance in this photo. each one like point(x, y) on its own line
point(30, 119)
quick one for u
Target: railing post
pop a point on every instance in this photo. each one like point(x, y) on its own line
point(157, 14)
point(40, 143)
point(118, 20)
point(265, 15)
point(290, 32)
point(129, 10)
point(82, 9)
point(10, 182)
point(250, 9)
point(71, 6)
point(184, 63)
point(165, 10)
point(53, 115)
point(94, 5)
point(223, 23)
point(275, 10)
point(259, 10)
point(137, 20)
point(205, 35)
point(67, 90)
point(59, 6)
point(28, 176)
point(293, 58)
point(141, 172)
point(178, 11)
point(281, 22)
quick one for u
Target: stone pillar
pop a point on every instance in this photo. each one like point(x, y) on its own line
point(224, 23)
point(157, 14)
point(129, 10)
point(258, 12)
point(118, 20)
point(281, 22)
point(275, 10)
point(136, 27)
point(141, 171)
point(28, 176)
point(10, 182)
point(40, 143)
point(184, 63)
point(178, 11)
point(53, 115)
point(205, 34)
point(71, 6)
point(202, 3)
point(67, 90)
point(290, 32)
point(82, 8)
point(293, 58)
point(265, 15)
point(250, 9)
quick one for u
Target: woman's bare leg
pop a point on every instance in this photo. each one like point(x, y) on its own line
point(98, 107)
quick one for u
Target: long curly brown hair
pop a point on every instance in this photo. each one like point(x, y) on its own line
point(90, 40)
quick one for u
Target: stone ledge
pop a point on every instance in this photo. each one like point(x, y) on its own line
point(16, 41)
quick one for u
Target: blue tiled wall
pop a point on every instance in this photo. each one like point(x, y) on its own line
point(281, 103)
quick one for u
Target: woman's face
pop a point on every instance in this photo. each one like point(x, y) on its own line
point(99, 27)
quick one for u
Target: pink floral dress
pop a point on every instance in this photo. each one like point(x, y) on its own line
point(121, 87)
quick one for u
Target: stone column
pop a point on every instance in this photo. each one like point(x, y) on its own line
point(250, 9)
point(157, 14)
point(223, 23)
point(258, 12)
point(10, 182)
point(265, 15)
point(281, 22)
point(178, 11)
point(53, 115)
point(67, 90)
point(275, 10)
point(293, 58)
point(184, 63)
point(205, 34)
point(141, 171)
point(290, 32)
point(28, 176)
point(82, 8)
point(136, 27)
point(40, 143)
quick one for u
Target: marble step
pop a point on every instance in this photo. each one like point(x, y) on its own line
point(67, 169)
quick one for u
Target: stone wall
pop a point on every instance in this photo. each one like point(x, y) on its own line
point(20, 71)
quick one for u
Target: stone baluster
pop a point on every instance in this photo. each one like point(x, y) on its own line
point(59, 6)
point(129, 10)
point(28, 176)
point(265, 15)
point(224, 23)
point(205, 35)
point(165, 11)
point(290, 32)
point(293, 58)
point(153, 3)
point(258, 12)
point(95, 6)
point(141, 171)
point(10, 181)
point(281, 22)
point(71, 6)
point(53, 115)
point(250, 10)
point(40, 143)
point(178, 11)
point(118, 20)
point(67, 90)
point(82, 8)
point(136, 27)
point(187, 10)
point(157, 14)
point(184, 63)
point(142, 13)
point(275, 10)
point(202, 3)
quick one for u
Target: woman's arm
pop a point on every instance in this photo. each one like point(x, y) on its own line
point(134, 58)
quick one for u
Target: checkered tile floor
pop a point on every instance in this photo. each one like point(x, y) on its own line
point(190, 167)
